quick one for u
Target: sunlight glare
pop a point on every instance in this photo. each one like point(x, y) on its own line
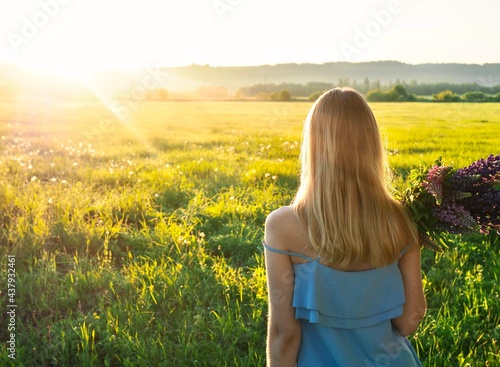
point(57, 68)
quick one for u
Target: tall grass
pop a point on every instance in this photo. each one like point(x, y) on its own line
point(139, 244)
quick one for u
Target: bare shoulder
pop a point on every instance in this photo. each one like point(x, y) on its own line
point(284, 229)
point(281, 216)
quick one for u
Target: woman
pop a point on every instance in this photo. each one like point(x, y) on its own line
point(343, 260)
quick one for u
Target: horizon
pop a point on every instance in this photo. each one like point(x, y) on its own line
point(300, 80)
point(4, 64)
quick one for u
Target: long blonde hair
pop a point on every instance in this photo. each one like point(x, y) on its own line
point(343, 199)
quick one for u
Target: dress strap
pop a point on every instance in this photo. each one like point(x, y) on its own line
point(405, 249)
point(278, 251)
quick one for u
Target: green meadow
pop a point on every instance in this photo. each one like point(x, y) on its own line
point(137, 241)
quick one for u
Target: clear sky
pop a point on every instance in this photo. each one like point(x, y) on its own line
point(75, 36)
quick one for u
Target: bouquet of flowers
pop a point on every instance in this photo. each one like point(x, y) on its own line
point(445, 200)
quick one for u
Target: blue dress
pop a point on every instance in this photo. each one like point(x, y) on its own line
point(346, 316)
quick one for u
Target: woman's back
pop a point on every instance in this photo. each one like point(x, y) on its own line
point(345, 312)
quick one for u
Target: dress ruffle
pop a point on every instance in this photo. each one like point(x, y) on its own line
point(331, 300)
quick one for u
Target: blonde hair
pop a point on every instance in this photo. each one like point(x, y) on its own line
point(343, 199)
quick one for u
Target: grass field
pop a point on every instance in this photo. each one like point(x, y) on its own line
point(137, 242)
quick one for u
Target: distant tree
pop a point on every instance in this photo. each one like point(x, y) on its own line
point(396, 94)
point(475, 96)
point(392, 96)
point(313, 97)
point(400, 90)
point(365, 86)
point(446, 96)
point(257, 88)
point(344, 82)
point(376, 95)
point(411, 98)
point(366, 83)
point(284, 95)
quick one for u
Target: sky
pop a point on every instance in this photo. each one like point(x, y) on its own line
point(80, 36)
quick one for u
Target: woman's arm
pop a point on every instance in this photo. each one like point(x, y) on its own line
point(283, 334)
point(415, 306)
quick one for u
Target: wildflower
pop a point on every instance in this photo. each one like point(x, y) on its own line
point(64, 182)
point(50, 201)
point(34, 178)
point(467, 200)
point(53, 179)
point(30, 166)
point(434, 182)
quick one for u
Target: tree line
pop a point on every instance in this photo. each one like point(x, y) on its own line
point(399, 94)
point(388, 92)
point(374, 91)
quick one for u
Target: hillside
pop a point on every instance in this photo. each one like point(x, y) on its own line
point(385, 71)
point(14, 80)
